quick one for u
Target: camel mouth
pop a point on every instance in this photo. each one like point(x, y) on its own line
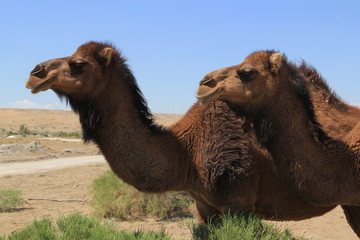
point(36, 85)
point(208, 96)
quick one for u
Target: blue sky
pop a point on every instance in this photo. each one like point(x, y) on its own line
point(172, 44)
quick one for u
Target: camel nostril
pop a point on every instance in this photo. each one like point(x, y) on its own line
point(208, 82)
point(38, 71)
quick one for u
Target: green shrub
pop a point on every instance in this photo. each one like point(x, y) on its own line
point(23, 130)
point(67, 134)
point(114, 198)
point(10, 199)
point(76, 227)
point(38, 230)
point(10, 133)
point(44, 134)
point(241, 226)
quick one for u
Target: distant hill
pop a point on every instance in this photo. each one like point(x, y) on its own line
point(42, 120)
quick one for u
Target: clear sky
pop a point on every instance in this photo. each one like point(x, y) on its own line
point(172, 44)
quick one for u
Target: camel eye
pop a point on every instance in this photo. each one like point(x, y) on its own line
point(245, 75)
point(76, 67)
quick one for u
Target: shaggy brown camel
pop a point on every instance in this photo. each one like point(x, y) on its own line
point(201, 154)
point(339, 120)
point(274, 94)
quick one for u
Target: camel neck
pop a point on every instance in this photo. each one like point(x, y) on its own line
point(302, 152)
point(140, 152)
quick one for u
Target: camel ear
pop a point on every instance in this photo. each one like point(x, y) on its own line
point(106, 54)
point(275, 62)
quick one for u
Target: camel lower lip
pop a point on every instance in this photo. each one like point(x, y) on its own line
point(41, 87)
point(203, 99)
point(208, 97)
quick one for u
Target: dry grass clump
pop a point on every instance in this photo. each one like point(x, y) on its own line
point(114, 198)
point(10, 199)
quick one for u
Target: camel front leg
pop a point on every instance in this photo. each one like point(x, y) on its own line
point(352, 214)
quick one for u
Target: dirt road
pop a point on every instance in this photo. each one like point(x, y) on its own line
point(9, 169)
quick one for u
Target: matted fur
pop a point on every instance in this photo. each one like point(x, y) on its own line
point(226, 154)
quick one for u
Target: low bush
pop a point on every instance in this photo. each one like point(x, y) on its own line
point(76, 226)
point(114, 198)
point(67, 134)
point(10, 199)
point(23, 130)
point(242, 227)
point(11, 133)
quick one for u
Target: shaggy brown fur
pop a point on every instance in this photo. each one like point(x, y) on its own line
point(223, 170)
point(336, 117)
point(275, 94)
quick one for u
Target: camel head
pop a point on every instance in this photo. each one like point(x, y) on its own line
point(80, 74)
point(250, 83)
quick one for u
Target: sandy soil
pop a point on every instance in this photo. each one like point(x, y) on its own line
point(74, 182)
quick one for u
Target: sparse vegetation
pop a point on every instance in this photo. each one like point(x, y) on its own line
point(9, 133)
point(114, 198)
point(76, 226)
point(44, 134)
point(10, 199)
point(23, 130)
point(67, 134)
point(242, 226)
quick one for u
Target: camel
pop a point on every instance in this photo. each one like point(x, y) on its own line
point(221, 169)
point(339, 120)
point(274, 94)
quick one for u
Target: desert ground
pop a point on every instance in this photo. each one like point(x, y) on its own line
point(45, 190)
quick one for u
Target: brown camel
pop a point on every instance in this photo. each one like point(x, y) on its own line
point(201, 154)
point(274, 94)
point(329, 110)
